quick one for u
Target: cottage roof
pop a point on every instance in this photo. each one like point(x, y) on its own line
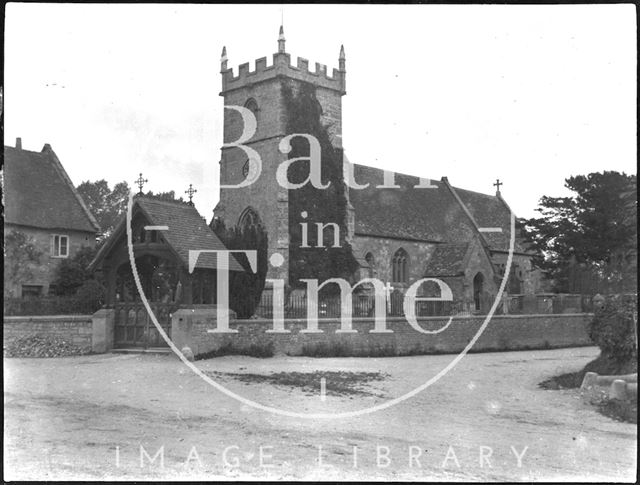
point(187, 230)
point(39, 193)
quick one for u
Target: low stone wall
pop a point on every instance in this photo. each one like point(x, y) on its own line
point(504, 332)
point(77, 329)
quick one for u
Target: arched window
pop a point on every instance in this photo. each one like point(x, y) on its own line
point(252, 105)
point(371, 262)
point(249, 219)
point(478, 284)
point(400, 265)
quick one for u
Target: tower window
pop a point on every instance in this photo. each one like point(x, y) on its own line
point(252, 105)
point(249, 219)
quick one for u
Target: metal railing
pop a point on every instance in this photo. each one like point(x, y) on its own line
point(362, 306)
point(547, 303)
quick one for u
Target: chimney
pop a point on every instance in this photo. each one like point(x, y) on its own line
point(19, 143)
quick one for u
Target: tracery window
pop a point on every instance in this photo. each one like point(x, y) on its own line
point(400, 265)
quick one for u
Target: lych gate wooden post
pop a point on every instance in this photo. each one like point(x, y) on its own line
point(186, 279)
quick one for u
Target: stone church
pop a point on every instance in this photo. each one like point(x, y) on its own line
point(399, 229)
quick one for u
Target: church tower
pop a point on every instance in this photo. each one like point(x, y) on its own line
point(260, 91)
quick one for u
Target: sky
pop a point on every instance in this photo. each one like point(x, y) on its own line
point(527, 94)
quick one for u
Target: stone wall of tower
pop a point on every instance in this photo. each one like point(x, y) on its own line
point(265, 196)
point(331, 103)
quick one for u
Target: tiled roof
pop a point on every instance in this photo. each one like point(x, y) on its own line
point(446, 260)
point(187, 230)
point(427, 214)
point(39, 193)
point(407, 213)
point(490, 211)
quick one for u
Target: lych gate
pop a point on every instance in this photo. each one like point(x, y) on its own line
point(162, 233)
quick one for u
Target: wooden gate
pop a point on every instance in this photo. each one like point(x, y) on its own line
point(133, 326)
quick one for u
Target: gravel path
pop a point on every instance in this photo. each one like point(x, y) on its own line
point(87, 418)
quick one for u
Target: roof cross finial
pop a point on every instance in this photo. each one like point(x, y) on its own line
point(190, 193)
point(140, 183)
point(497, 186)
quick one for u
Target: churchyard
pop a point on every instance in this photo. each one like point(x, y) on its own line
point(148, 416)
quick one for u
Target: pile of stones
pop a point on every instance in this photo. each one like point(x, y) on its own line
point(37, 345)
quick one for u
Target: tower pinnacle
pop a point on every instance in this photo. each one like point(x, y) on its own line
point(223, 58)
point(341, 59)
point(281, 41)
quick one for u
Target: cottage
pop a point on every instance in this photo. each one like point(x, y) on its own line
point(42, 209)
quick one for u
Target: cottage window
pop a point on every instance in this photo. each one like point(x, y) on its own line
point(60, 246)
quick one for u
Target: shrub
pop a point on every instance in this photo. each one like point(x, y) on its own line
point(245, 288)
point(344, 349)
point(57, 305)
point(71, 273)
point(613, 329)
point(327, 349)
point(262, 350)
point(91, 294)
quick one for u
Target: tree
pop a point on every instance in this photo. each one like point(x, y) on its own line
point(168, 196)
point(73, 272)
point(245, 288)
point(589, 236)
point(105, 204)
point(21, 255)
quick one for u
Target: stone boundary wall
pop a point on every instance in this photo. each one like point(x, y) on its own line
point(189, 328)
point(504, 332)
point(76, 329)
point(89, 332)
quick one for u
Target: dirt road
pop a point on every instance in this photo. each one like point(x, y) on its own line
point(97, 417)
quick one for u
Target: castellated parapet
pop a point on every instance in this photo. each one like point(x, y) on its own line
point(282, 67)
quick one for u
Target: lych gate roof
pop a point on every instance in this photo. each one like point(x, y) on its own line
point(446, 260)
point(39, 193)
point(187, 230)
